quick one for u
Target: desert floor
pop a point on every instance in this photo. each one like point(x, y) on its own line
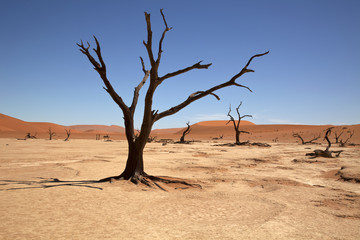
point(247, 192)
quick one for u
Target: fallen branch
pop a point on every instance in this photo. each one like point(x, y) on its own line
point(325, 153)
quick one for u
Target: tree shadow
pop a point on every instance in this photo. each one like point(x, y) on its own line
point(46, 183)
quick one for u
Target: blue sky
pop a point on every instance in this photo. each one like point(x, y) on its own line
point(311, 76)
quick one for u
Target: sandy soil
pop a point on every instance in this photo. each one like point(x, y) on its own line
point(247, 192)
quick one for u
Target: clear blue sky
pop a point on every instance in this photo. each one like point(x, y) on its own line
point(311, 76)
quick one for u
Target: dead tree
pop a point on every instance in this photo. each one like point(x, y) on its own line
point(68, 132)
point(107, 138)
point(134, 169)
point(186, 132)
point(51, 134)
point(237, 124)
point(342, 143)
point(28, 135)
point(325, 153)
point(311, 141)
point(338, 135)
point(151, 139)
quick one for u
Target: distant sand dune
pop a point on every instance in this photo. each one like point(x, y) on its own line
point(15, 128)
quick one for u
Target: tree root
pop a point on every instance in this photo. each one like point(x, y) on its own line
point(153, 181)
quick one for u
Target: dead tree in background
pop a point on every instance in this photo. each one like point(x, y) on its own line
point(338, 135)
point(237, 124)
point(186, 132)
point(325, 153)
point(311, 141)
point(28, 135)
point(342, 143)
point(51, 134)
point(151, 139)
point(134, 169)
point(107, 138)
point(68, 132)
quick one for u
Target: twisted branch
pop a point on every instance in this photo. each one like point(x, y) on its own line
point(201, 94)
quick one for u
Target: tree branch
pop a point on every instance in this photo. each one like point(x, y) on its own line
point(197, 65)
point(141, 84)
point(202, 94)
point(162, 39)
point(98, 53)
point(143, 65)
point(137, 90)
point(148, 44)
point(198, 92)
point(101, 69)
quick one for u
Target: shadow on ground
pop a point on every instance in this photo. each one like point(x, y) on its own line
point(45, 183)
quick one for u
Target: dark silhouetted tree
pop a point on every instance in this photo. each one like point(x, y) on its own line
point(338, 135)
point(134, 169)
point(237, 124)
point(68, 133)
point(186, 132)
point(342, 142)
point(51, 134)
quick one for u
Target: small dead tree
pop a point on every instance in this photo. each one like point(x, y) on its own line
point(342, 143)
point(151, 139)
point(186, 132)
point(311, 141)
point(51, 134)
point(338, 135)
point(325, 153)
point(237, 124)
point(134, 169)
point(107, 138)
point(68, 133)
point(29, 136)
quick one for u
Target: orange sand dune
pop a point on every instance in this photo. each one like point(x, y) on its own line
point(99, 128)
point(165, 131)
point(221, 123)
point(13, 124)
point(15, 128)
point(10, 124)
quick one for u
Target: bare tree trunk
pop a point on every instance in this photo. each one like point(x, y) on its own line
point(186, 132)
point(237, 136)
point(51, 134)
point(237, 125)
point(68, 132)
point(134, 164)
